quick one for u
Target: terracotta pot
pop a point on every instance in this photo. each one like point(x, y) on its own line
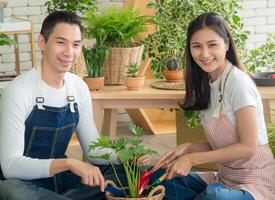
point(94, 83)
point(134, 83)
point(173, 75)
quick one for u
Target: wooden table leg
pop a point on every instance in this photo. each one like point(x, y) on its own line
point(109, 126)
point(98, 114)
point(266, 107)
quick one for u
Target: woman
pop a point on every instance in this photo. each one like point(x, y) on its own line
point(232, 118)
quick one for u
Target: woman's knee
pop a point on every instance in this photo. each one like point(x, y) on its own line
point(217, 191)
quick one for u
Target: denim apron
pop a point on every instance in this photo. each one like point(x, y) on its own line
point(48, 131)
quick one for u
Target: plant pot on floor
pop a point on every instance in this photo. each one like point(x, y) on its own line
point(94, 83)
point(134, 83)
point(173, 75)
point(155, 194)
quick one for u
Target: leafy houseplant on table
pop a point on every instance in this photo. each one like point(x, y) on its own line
point(120, 28)
point(133, 81)
point(94, 58)
point(173, 70)
point(128, 150)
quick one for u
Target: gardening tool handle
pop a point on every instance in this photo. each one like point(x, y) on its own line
point(163, 177)
point(160, 165)
point(159, 189)
point(111, 183)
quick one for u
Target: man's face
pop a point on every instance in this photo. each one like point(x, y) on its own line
point(62, 48)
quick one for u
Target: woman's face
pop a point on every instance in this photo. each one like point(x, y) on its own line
point(208, 50)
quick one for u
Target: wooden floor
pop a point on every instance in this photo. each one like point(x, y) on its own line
point(160, 143)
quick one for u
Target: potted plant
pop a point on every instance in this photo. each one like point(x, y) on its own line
point(133, 81)
point(6, 40)
point(121, 28)
point(94, 58)
point(128, 150)
point(173, 70)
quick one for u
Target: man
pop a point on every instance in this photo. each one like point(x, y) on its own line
point(41, 110)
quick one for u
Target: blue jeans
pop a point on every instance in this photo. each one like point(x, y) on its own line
point(15, 189)
point(192, 187)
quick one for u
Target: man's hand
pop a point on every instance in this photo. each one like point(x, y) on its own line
point(90, 175)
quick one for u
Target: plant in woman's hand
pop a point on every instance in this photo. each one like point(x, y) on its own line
point(128, 151)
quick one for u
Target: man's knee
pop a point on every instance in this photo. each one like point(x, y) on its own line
point(12, 189)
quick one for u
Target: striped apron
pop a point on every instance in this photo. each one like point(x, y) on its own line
point(255, 174)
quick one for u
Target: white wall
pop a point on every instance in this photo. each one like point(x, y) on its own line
point(36, 11)
point(258, 16)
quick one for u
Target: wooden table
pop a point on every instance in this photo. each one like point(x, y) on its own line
point(108, 100)
point(111, 98)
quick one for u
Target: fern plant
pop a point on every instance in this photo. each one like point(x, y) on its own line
point(119, 26)
point(128, 151)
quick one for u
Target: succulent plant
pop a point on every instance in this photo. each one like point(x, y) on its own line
point(173, 63)
point(132, 69)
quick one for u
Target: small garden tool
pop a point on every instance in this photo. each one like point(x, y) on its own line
point(145, 177)
point(158, 181)
point(114, 190)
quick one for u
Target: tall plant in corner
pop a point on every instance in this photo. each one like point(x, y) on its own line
point(172, 19)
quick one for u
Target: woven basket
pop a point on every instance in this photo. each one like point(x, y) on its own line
point(79, 67)
point(117, 60)
point(156, 194)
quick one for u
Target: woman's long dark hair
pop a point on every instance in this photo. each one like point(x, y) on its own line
point(197, 95)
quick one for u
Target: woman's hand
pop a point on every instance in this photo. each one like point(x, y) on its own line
point(90, 174)
point(179, 167)
point(144, 160)
point(170, 156)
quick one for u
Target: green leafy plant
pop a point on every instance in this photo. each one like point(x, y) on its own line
point(6, 40)
point(173, 63)
point(128, 151)
point(70, 5)
point(132, 69)
point(172, 19)
point(261, 58)
point(119, 26)
point(271, 133)
point(94, 59)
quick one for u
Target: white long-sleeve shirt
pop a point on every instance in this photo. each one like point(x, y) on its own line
point(18, 102)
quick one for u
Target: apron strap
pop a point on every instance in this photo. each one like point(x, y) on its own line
point(219, 109)
point(40, 100)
